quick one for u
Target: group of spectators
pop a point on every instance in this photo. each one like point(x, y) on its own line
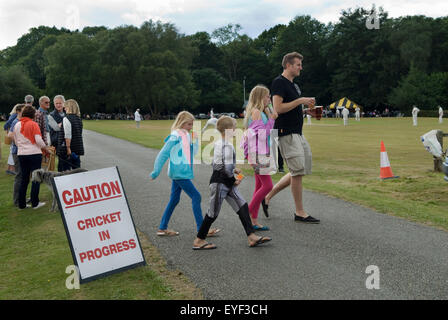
point(34, 132)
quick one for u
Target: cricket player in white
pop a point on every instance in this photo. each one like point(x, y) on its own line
point(308, 118)
point(137, 118)
point(338, 113)
point(210, 122)
point(415, 111)
point(357, 114)
point(440, 114)
point(345, 114)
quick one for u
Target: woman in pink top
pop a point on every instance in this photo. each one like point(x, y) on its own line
point(28, 138)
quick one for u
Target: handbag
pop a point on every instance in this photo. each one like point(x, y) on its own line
point(265, 164)
point(48, 160)
point(8, 140)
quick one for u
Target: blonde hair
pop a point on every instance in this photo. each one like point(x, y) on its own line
point(72, 107)
point(14, 109)
point(255, 102)
point(181, 119)
point(225, 122)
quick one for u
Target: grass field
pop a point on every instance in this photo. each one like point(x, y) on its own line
point(34, 254)
point(346, 162)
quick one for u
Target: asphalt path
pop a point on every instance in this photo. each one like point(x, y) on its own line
point(325, 261)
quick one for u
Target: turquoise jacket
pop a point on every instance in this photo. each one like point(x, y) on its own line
point(178, 167)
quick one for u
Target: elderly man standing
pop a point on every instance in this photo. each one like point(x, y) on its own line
point(55, 123)
point(42, 118)
point(29, 99)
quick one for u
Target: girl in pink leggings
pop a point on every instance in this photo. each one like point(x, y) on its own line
point(259, 120)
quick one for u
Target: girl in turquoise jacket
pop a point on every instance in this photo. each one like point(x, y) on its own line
point(180, 149)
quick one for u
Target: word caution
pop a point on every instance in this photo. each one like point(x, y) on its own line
point(90, 194)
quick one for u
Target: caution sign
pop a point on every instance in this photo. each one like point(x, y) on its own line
point(98, 223)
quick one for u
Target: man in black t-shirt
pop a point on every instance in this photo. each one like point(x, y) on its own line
point(292, 144)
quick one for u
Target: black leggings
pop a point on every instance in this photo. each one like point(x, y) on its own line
point(28, 164)
point(243, 213)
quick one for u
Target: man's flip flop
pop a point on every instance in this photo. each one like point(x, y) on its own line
point(204, 246)
point(260, 241)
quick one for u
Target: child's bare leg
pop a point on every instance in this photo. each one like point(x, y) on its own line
point(203, 232)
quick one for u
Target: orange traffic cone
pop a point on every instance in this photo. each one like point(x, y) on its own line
point(385, 170)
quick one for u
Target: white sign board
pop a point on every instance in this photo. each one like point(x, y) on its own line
point(98, 223)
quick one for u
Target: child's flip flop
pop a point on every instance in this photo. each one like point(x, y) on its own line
point(167, 232)
point(204, 246)
point(260, 241)
point(263, 228)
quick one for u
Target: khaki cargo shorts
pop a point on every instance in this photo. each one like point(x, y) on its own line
point(296, 152)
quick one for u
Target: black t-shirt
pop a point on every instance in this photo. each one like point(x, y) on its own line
point(291, 121)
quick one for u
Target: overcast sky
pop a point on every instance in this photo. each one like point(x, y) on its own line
point(189, 16)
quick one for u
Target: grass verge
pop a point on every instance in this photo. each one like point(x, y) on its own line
point(35, 254)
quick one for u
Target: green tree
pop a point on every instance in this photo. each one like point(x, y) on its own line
point(407, 93)
point(169, 62)
point(207, 54)
point(34, 62)
point(361, 62)
point(72, 70)
point(412, 36)
point(216, 91)
point(227, 34)
point(438, 61)
point(233, 46)
point(147, 67)
point(14, 86)
point(242, 60)
point(267, 40)
point(92, 31)
point(306, 36)
point(26, 43)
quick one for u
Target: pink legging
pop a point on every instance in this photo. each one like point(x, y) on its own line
point(263, 185)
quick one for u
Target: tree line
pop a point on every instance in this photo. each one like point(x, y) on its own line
point(160, 70)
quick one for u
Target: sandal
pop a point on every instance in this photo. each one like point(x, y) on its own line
point(262, 228)
point(167, 232)
point(260, 241)
point(204, 246)
point(213, 232)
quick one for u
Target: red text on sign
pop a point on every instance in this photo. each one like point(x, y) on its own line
point(90, 194)
point(99, 220)
point(105, 251)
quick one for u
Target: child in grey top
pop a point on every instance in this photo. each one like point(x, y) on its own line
point(223, 186)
